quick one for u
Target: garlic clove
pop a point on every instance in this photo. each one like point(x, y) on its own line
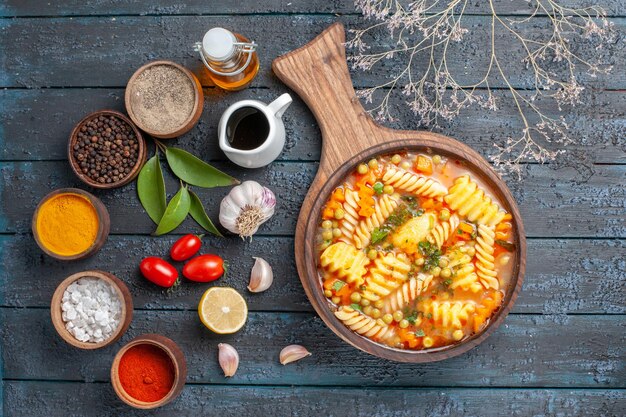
point(228, 359)
point(261, 277)
point(293, 353)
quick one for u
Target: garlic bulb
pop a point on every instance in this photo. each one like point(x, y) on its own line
point(246, 207)
point(261, 276)
point(293, 353)
point(228, 359)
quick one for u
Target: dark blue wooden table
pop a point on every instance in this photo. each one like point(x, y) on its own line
point(560, 352)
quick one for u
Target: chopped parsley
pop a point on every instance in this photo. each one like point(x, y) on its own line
point(429, 316)
point(356, 306)
point(505, 245)
point(447, 282)
point(411, 317)
point(431, 255)
point(378, 235)
point(420, 333)
point(338, 285)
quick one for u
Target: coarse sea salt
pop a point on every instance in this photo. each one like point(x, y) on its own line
point(91, 309)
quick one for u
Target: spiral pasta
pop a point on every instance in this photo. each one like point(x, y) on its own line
point(351, 217)
point(466, 279)
point(470, 201)
point(448, 314)
point(407, 293)
point(364, 325)
point(387, 274)
point(382, 210)
point(346, 261)
point(413, 183)
point(442, 231)
point(485, 267)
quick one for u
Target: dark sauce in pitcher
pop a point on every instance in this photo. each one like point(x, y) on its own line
point(247, 128)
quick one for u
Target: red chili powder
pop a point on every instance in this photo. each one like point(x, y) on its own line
point(146, 372)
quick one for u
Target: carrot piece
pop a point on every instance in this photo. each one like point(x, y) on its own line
point(428, 204)
point(328, 214)
point(466, 227)
point(503, 226)
point(338, 195)
point(328, 284)
point(507, 217)
point(424, 164)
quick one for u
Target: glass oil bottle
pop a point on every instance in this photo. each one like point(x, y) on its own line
point(230, 58)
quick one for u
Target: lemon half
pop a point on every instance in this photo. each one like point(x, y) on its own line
point(223, 310)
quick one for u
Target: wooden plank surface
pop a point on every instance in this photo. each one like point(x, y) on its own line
point(104, 52)
point(565, 333)
point(36, 122)
point(526, 351)
point(552, 202)
point(238, 401)
point(98, 399)
point(563, 276)
point(231, 7)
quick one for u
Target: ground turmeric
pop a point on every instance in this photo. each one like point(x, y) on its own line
point(67, 224)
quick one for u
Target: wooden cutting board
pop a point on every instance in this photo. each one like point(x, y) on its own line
point(318, 73)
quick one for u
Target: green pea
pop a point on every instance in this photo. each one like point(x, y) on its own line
point(327, 224)
point(362, 169)
point(335, 224)
point(406, 165)
point(365, 302)
point(378, 187)
point(436, 271)
point(388, 189)
point(397, 316)
point(339, 213)
point(396, 159)
point(373, 164)
point(387, 318)
point(336, 300)
point(376, 313)
point(444, 215)
point(403, 324)
point(328, 293)
point(471, 252)
point(379, 303)
point(336, 232)
point(419, 261)
point(436, 159)
point(368, 310)
point(355, 297)
point(446, 272)
point(372, 254)
point(443, 262)
point(327, 235)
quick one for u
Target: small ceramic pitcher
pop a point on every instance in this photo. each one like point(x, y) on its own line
point(271, 146)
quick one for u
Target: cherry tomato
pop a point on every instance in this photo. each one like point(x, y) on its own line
point(158, 271)
point(204, 268)
point(185, 247)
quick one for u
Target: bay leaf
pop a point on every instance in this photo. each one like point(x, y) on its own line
point(151, 189)
point(175, 213)
point(195, 171)
point(196, 209)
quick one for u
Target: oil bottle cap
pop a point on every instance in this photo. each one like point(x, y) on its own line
point(218, 44)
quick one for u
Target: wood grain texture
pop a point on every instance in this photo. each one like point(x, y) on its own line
point(563, 276)
point(49, 114)
point(50, 398)
point(104, 52)
point(552, 201)
point(528, 351)
point(233, 7)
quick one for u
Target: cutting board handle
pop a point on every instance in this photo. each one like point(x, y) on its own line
point(318, 72)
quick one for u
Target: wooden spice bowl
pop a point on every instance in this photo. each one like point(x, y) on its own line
point(122, 292)
point(141, 151)
point(104, 224)
point(178, 361)
point(194, 115)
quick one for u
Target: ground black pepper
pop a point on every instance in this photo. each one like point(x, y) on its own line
point(106, 149)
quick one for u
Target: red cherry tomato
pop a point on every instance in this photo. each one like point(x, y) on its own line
point(204, 268)
point(185, 247)
point(158, 271)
